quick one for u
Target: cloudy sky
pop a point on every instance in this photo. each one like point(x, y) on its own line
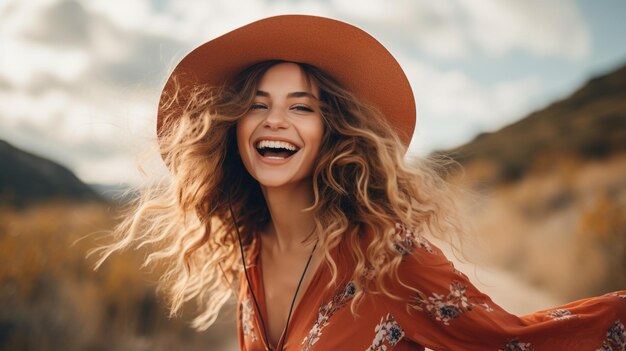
point(80, 79)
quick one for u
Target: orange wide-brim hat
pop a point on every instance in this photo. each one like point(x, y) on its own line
point(350, 55)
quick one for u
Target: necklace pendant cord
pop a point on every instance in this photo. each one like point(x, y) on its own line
point(281, 342)
point(295, 295)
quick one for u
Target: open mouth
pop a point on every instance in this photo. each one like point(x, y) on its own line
point(277, 150)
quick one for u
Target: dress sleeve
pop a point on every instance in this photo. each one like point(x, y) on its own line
point(445, 311)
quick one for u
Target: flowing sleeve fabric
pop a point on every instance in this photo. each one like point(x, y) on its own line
point(443, 310)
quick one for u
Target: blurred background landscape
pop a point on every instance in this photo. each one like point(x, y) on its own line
point(530, 99)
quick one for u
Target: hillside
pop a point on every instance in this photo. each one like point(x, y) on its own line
point(26, 179)
point(589, 124)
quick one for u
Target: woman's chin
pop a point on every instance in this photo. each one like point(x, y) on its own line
point(268, 182)
point(281, 180)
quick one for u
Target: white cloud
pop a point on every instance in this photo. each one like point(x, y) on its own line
point(195, 21)
point(74, 124)
point(127, 15)
point(17, 106)
point(432, 27)
point(543, 28)
point(22, 61)
point(451, 107)
point(455, 29)
point(514, 98)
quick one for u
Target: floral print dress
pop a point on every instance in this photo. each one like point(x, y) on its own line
point(444, 311)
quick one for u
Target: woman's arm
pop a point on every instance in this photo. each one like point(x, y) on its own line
point(445, 311)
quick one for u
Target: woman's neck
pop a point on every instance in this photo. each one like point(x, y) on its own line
point(289, 225)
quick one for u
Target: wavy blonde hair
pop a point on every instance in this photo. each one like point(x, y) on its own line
point(361, 181)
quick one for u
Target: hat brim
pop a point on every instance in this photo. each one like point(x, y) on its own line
point(350, 55)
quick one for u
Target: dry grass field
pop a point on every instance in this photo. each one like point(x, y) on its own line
point(562, 227)
point(51, 299)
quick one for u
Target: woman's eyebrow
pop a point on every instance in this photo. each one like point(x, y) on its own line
point(301, 94)
point(290, 95)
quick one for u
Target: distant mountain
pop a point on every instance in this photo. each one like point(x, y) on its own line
point(26, 178)
point(589, 124)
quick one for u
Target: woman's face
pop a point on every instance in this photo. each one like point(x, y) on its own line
point(279, 138)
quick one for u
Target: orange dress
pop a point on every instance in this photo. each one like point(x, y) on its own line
point(445, 312)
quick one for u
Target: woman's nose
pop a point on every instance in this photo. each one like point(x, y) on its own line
point(276, 118)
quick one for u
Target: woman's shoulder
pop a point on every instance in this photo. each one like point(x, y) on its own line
point(406, 241)
point(421, 261)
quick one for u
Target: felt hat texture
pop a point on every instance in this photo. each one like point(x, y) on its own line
point(350, 55)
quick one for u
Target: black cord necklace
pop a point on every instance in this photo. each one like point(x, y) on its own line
point(281, 342)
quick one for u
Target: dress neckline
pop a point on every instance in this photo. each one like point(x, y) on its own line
point(259, 288)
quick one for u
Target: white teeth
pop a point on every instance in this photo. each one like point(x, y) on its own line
point(276, 145)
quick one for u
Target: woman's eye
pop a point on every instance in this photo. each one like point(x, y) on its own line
point(257, 106)
point(302, 108)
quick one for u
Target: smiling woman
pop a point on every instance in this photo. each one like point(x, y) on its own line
point(290, 191)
